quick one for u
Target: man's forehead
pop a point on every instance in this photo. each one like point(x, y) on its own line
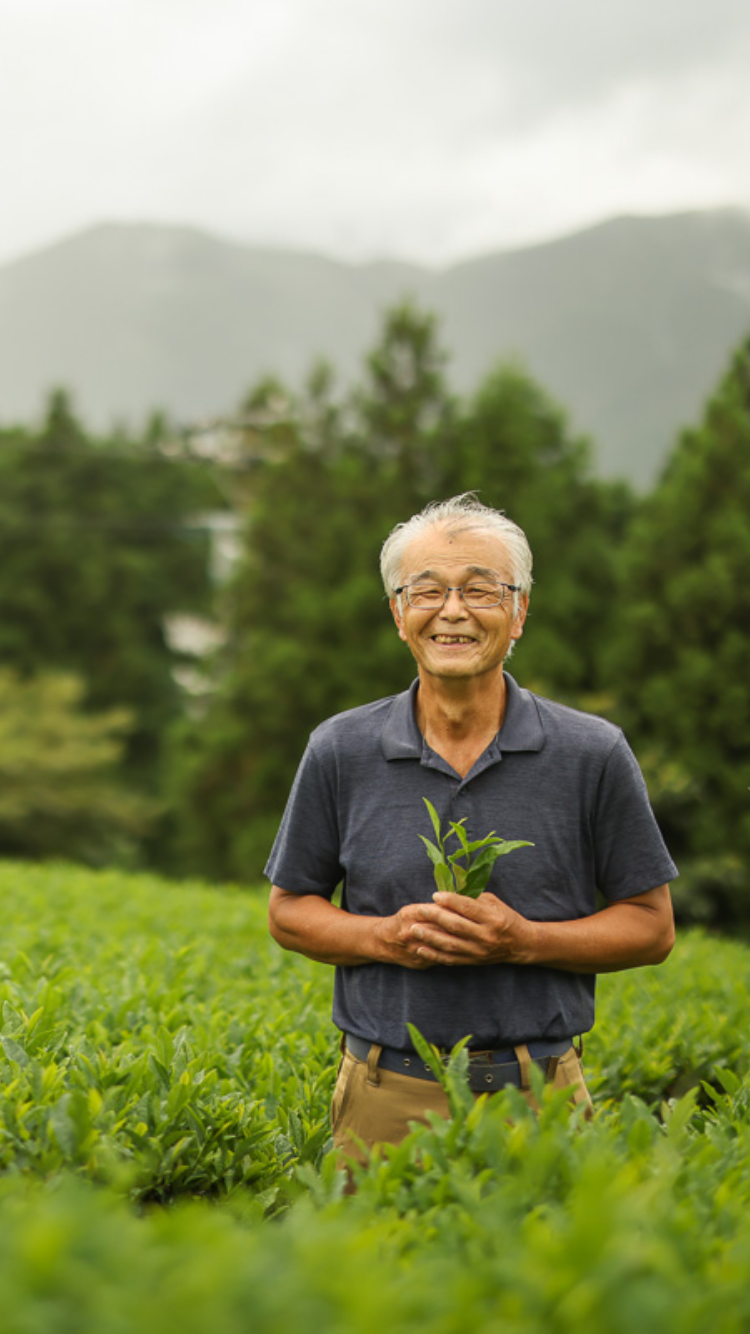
point(474, 552)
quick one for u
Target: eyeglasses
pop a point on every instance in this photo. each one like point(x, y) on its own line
point(428, 596)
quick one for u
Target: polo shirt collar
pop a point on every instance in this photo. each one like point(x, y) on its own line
point(521, 730)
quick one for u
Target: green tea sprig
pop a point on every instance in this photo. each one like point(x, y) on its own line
point(467, 870)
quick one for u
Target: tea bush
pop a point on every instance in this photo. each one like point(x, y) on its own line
point(155, 1037)
point(163, 1133)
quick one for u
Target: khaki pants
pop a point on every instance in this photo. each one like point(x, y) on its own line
point(376, 1106)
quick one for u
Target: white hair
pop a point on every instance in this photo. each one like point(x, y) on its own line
point(460, 514)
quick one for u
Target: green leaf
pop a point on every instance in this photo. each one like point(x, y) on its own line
point(677, 1115)
point(728, 1080)
point(444, 879)
point(482, 842)
point(460, 833)
point(481, 869)
point(434, 854)
point(435, 818)
point(429, 1054)
point(459, 875)
point(510, 845)
point(14, 1051)
point(460, 1096)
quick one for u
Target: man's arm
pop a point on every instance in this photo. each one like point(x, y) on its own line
point(454, 930)
point(312, 925)
point(627, 934)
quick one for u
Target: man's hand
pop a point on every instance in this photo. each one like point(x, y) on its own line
point(454, 929)
point(401, 938)
point(632, 932)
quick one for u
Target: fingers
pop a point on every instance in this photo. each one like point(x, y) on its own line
point(458, 915)
point(432, 940)
point(462, 904)
point(455, 929)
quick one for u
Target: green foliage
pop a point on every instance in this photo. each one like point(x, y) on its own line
point(661, 1031)
point(478, 857)
point(165, 1074)
point(97, 551)
point(518, 451)
point(140, 1049)
point(58, 787)
point(679, 659)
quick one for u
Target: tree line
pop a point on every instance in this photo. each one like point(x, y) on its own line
point(639, 611)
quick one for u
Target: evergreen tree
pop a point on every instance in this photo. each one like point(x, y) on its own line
point(518, 453)
point(59, 789)
point(680, 659)
point(98, 549)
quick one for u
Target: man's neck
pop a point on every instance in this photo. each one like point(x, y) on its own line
point(459, 719)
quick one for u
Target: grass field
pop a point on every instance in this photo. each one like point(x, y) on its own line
point(164, 1095)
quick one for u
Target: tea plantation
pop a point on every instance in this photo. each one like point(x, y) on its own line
point(165, 1073)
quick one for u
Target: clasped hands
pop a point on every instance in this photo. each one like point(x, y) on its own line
point(455, 929)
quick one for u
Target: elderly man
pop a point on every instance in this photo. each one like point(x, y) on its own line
point(514, 969)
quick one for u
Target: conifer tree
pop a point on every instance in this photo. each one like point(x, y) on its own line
point(519, 453)
point(98, 549)
point(681, 659)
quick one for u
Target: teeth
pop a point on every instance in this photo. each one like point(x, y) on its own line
point(453, 639)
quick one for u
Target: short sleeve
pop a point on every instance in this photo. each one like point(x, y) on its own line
point(305, 855)
point(631, 855)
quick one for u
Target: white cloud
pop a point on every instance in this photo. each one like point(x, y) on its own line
point(426, 128)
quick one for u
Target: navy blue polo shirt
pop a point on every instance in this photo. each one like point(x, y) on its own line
point(565, 780)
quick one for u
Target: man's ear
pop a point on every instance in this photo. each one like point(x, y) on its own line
point(520, 617)
point(398, 618)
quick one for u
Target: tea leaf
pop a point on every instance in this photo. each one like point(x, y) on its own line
point(444, 878)
point(510, 845)
point(433, 853)
point(435, 818)
point(472, 878)
point(459, 876)
point(460, 833)
point(429, 1054)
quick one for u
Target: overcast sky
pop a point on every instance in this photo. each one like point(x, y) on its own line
point(427, 129)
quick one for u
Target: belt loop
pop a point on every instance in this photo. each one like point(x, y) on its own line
point(524, 1061)
point(373, 1056)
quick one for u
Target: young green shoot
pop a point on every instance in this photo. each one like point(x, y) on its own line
point(467, 869)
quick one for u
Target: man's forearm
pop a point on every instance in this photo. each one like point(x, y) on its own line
point(628, 934)
point(624, 935)
point(312, 925)
point(315, 927)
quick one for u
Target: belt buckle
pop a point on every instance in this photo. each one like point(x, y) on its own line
point(481, 1056)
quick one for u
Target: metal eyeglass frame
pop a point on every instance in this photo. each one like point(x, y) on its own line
point(458, 588)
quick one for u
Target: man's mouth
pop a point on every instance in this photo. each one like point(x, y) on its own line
point(453, 639)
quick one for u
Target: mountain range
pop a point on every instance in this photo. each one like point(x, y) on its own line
point(627, 324)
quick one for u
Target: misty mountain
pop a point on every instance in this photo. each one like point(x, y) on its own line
point(628, 324)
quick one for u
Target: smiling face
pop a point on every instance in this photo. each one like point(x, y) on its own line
point(457, 642)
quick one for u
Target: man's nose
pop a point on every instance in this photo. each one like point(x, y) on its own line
point(454, 603)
